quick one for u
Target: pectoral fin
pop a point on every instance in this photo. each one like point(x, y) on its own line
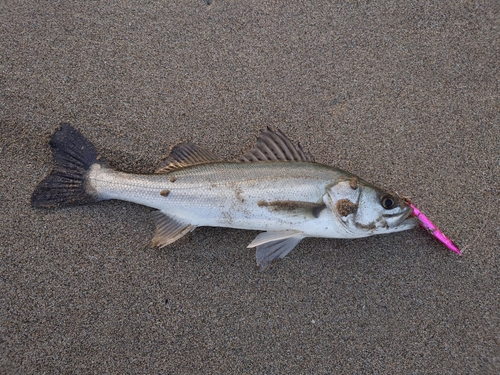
point(294, 207)
point(168, 230)
point(272, 246)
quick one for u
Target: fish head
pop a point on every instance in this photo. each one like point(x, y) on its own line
point(365, 210)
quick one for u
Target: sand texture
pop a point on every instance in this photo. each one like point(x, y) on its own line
point(405, 96)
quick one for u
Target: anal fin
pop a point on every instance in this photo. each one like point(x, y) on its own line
point(168, 230)
point(272, 246)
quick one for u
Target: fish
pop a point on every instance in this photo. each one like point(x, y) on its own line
point(275, 187)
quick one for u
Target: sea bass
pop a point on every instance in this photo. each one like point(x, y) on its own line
point(274, 187)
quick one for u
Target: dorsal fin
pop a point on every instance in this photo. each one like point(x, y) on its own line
point(186, 154)
point(274, 146)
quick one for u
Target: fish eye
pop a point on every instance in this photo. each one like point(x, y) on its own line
point(387, 201)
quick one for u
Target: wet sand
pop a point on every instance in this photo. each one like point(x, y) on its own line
point(405, 97)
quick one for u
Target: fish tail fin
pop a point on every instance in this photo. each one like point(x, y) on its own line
point(66, 184)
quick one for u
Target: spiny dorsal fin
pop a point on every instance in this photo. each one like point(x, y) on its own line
point(168, 230)
point(186, 154)
point(274, 146)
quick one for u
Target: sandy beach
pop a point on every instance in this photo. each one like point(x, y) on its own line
point(405, 96)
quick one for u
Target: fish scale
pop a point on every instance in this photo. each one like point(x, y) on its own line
point(221, 193)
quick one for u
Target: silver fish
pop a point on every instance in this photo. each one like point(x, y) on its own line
point(274, 187)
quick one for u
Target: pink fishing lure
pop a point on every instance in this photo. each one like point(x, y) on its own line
point(432, 229)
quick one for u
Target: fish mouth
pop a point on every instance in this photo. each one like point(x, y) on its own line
point(408, 223)
point(406, 220)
